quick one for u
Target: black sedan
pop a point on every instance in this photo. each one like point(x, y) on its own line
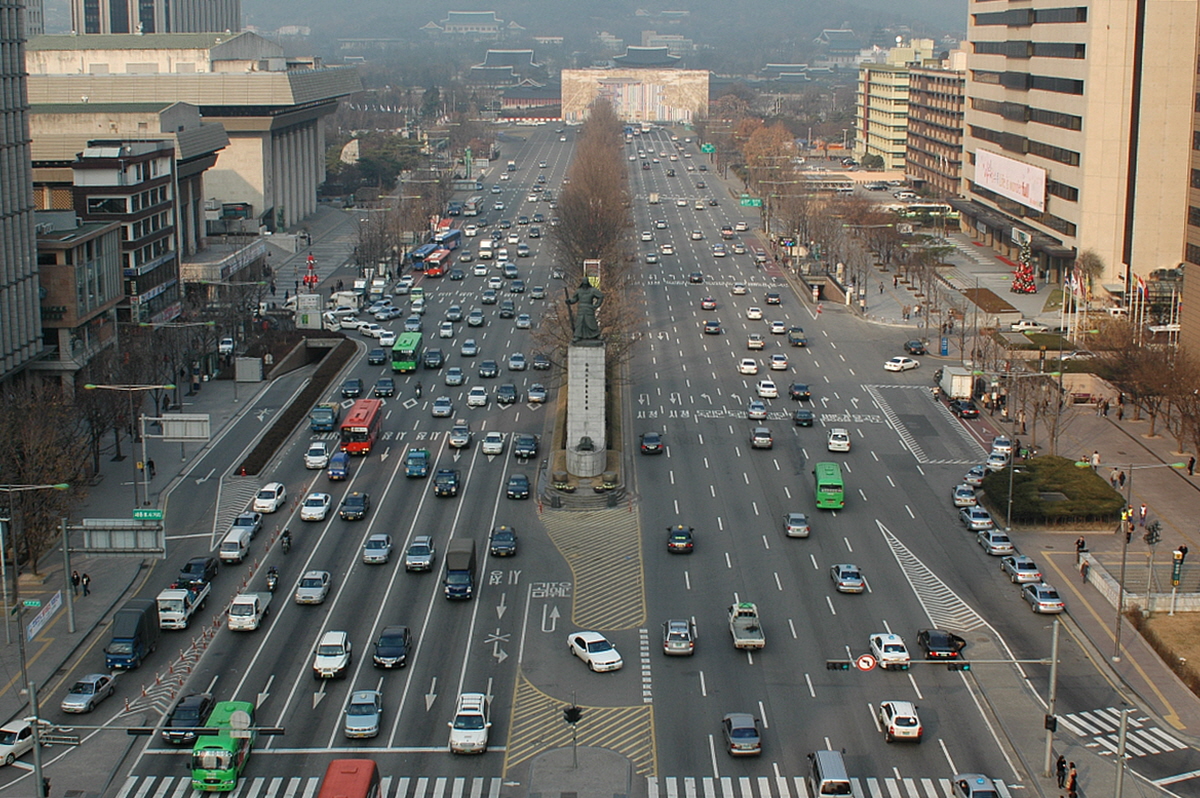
point(939, 644)
point(915, 348)
point(799, 391)
point(384, 387)
point(352, 388)
point(503, 542)
point(680, 540)
point(518, 487)
point(190, 713)
point(964, 408)
point(803, 418)
point(376, 357)
point(695, 277)
point(652, 443)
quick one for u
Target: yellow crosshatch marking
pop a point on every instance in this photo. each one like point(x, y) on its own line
point(604, 552)
point(536, 725)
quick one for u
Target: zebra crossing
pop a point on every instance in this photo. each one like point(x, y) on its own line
point(798, 787)
point(481, 787)
point(307, 786)
point(1102, 726)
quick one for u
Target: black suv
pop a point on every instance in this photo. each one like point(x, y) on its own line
point(376, 357)
point(199, 569)
point(445, 482)
point(384, 387)
point(508, 309)
point(190, 713)
point(504, 542)
point(355, 506)
point(434, 358)
point(352, 388)
point(488, 368)
point(506, 394)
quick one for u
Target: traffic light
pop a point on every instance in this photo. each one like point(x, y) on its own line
point(572, 714)
point(1051, 723)
point(959, 666)
point(837, 664)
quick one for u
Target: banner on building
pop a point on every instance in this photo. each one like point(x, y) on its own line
point(1019, 182)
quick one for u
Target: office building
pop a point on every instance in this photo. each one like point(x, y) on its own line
point(156, 16)
point(1079, 119)
point(881, 114)
point(933, 157)
point(20, 327)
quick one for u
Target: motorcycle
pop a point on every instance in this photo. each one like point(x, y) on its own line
point(285, 542)
point(272, 581)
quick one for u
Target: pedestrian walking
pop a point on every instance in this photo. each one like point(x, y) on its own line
point(75, 582)
point(1121, 479)
point(150, 468)
point(1191, 466)
point(1120, 412)
point(895, 280)
point(1095, 460)
point(1106, 408)
point(1060, 768)
point(1112, 478)
point(881, 287)
point(86, 581)
point(1143, 511)
point(1072, 781)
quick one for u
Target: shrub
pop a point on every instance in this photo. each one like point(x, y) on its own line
point(1089, 498)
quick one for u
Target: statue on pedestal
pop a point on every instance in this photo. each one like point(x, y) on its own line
point(587, 328)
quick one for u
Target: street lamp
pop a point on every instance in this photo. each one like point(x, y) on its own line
point(30, 687)
point(1125, 535)
point(131, 390)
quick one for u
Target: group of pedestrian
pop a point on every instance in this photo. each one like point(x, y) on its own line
point(78, 581)
point(1102, 408)
point(1068, 777)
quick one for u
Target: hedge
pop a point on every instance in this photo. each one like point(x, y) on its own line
point(1089, 497)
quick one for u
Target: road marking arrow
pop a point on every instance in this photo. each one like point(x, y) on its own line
point(553, 617)
point(502, 606)
point(384, 456)
point(499, 653)
point(320, 694)
point(431, 696)
point(266, 692)
point(206, 477)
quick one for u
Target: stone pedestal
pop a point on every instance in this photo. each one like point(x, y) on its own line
point(585, 410)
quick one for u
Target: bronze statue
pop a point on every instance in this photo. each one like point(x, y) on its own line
point(589, 298)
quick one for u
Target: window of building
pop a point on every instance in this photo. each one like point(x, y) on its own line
point(1058, 50)
point(1196, 139)
point(1194, 216)
point(1056, 84)
point(1008, 49)
point(1056, 119)
point(1196, 178)
point(1062, 190)
point(1193, 254)
point(107, 205)
point(1050, 152)
point(1050, 15)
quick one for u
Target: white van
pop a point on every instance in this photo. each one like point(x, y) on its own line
point(418, 306)
point(827, 775)
point(235, 546)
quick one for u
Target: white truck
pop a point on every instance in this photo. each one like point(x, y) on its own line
point(956, 382)
point(485, 249)
point(178, 603)
point(745, 627)
point(345, 299)
point(653, 197)
point(248, 611)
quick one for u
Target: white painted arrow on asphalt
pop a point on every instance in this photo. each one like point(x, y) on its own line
point(206, 477)
point(320, 694)
point(266, 691)
point(502, 606)
point(384, 456)
point(431, 696)
point(553, 617)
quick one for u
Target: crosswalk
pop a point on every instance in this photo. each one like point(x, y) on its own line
point(1102, 726)
point(798, 787)
point(478, 787)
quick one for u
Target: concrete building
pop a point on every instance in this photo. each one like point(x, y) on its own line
point(79, 264)
point(676, 44)
point(1078, 120)
point(35, 18)
point(505, 68)
point(637, 94)
point(933, 158)
point(270, 105)
point(20, 326)
point(881, 114)
point(156, 16)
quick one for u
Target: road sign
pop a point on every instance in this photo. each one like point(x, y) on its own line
point(750, 202)
point(708, 148)
point(59, 739)
point(32, 602)
point(147, 515)
point(865, 663)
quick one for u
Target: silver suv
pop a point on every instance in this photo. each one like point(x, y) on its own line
point(333, 655)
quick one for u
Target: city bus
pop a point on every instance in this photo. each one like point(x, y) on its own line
point(406, 351)
point(472, 206)
point(831, 491)
point(350, 778)
point(361, 427)
point(933, 210)
point(218, 759)
point(448, 239)
point(418, 255)
point(437, 263)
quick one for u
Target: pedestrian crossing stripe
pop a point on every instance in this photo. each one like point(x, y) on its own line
point(797, 787)
point(484, 787)
point(1103, 727)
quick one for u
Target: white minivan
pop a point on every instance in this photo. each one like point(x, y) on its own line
point(236, 545)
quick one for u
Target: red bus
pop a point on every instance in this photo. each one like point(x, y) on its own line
point(361, 426)
point(350, 778)
point(437, 263)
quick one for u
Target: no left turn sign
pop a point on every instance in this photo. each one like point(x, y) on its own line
point(865, 663)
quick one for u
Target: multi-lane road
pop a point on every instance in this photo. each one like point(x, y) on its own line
point(610, 570)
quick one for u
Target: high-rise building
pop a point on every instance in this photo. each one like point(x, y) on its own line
point(20, 323)
point(156, 16)
point(935, 128)
point(881, 124)
point(1079, 120)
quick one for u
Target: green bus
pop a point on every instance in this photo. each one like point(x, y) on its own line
point(831, 491)
point(406, 352)
point(218, 759)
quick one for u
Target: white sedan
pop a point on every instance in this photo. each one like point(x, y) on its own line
point(779, 362)
point(901, 364)
point(315, 507)
point(477, 397)
point(748, 366)
point(754, 313)
point(767, 389)
point(594, 649)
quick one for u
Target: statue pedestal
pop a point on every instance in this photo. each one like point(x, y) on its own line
point(586, 410)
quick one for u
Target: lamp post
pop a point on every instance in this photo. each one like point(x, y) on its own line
point(30, 687)
point(131, 390)
point(1125, 535)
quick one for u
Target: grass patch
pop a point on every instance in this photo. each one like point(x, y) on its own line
point(988, 301)
point(1174, 638)
point(1089, 498)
